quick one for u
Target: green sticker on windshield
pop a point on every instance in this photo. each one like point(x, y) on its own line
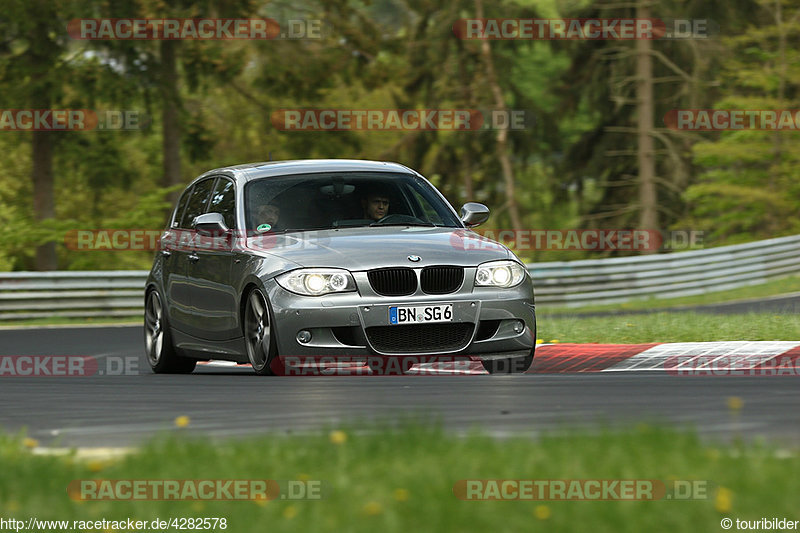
point(263, 228)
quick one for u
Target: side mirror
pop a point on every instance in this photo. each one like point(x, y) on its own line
point(210, 224)
point(474, 214)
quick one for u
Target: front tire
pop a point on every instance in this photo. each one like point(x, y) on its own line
point(515, 365)
point(158, 345)
point(259, 334)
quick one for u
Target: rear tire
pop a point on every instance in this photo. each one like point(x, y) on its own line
point(160, 352)
point(259, 336)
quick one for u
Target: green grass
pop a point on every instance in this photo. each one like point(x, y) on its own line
point(670, 327)
point(774, 287)
point(366, 477)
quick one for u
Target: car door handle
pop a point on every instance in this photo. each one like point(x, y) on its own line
point(194, 258)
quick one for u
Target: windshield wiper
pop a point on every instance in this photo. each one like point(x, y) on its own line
point(426, 224)
point(294, 230)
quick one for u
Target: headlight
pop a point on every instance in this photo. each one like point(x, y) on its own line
point(499, 274)
point(317, 281)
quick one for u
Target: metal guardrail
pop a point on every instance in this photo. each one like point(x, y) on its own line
point(86, 294)
point(622, 279)
point(102, 294)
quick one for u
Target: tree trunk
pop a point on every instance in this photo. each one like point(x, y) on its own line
point(41, 59)
point(502, 133)
point(469, 188)
point(782, 75)
point(43, 197)
point(170, 107)
point(467, 102)
point(648, 198)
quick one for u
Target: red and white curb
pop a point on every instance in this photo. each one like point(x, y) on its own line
point(732, 357)
point(679, 358)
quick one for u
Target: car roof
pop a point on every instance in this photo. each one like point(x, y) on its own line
point(266, 169)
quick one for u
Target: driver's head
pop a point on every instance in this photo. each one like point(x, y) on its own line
point(268, 214)
point(376, 204)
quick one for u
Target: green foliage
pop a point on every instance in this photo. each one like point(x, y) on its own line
point(572, 167)
point(748, 182)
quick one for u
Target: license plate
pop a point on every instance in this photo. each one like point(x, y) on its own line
point(420, 314)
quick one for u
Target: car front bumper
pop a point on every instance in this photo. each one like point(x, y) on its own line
point(487, 323)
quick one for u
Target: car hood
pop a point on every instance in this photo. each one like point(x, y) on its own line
point(376, 247)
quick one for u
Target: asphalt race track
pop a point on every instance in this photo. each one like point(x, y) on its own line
point(122, 410)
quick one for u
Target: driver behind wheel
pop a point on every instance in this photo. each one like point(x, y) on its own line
point(375, 204)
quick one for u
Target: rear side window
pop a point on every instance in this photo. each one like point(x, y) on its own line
point(223, 201)
point(198, 199)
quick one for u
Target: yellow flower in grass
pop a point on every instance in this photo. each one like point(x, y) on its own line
point(554, 341)
point(96, 465)
point(541, 512)
point(338, 437)
point(401, 495)
point(723, 500)
point(30, 443)
point(182, 421)
point(373, 509)
point(290, 512)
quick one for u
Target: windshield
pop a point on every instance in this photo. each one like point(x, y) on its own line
point(340, 200)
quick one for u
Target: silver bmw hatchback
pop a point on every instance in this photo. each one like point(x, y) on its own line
point(267, 263)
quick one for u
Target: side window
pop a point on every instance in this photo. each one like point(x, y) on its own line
point(176, 219)
point(223, 201)
point(197, 202)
